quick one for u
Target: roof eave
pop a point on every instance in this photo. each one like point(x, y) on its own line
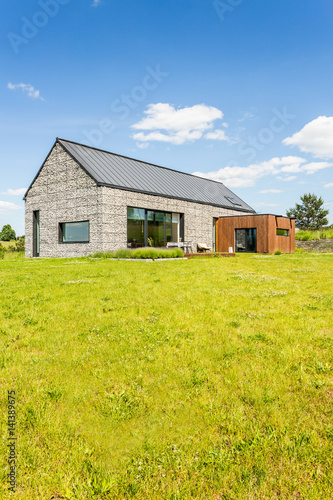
point(162, 195)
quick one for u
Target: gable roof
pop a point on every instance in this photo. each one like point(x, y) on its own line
point(121, 172)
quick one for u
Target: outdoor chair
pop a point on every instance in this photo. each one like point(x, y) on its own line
point(187, 247)
point(202, 247)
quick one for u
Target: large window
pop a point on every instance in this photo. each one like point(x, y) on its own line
point(151, 227)
point(246, 240)
point(74, 232)
point(136, 218)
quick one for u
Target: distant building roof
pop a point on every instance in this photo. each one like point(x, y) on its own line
point(121, 172)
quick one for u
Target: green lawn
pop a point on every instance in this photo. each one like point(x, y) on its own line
point(190, 379)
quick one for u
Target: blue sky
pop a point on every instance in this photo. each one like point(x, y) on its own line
point(236, 90)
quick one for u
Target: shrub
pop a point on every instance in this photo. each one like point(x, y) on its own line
point(146, 253)
point(2, 252)
point(152, 253)
point(303, 236)
point(141, 253)
point(157, 253)
point(123, 253)
point(97, 255)
point(164, 253)
point(138, 253)
point(277, 252)
point(327, 234)
point(19, 245)
point(179, 252)
point(107, 255)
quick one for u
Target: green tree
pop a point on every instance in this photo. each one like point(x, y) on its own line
point(7, 233)
point(309, 215)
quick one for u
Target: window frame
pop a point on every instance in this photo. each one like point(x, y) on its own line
point(254, 235)
point(61, 233)
point(284, 235)
point(233, 200)
point(35, 233)
point(164, 212)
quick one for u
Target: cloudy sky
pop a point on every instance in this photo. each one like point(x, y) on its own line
point(238, 91)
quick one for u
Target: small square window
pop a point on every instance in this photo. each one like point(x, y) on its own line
point(74, 232)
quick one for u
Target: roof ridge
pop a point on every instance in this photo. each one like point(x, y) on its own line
point(141, 161)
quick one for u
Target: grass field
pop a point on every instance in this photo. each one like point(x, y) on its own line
point(314, 235)
point(7, 244)
point(199, 379)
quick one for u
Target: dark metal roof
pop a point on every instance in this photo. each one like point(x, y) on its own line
point(120, 172)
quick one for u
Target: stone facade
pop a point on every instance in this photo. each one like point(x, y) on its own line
point(64, 192)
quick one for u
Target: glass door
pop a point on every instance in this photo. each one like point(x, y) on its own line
point(175, 228)
point(155, 236)
point(246, 240)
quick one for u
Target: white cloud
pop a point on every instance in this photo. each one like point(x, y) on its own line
point(235, 176)
point(308, 168)
point(177, 126)
point(96, 3)
point(25, 87)
point(246, 116)
point(178, 138)
point(329, 185)
point(6, 206)
point(287, 179)
point(264, 191)
point(312, 168)
point(15, 192)
point(142, 145)
point(315, 137)
point(217, 135)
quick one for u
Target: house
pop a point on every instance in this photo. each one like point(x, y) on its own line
point(261, 233)
point(84, 200)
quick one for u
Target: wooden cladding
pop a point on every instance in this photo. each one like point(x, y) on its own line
point(273, 232)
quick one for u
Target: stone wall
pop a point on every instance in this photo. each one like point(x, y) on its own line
point(315, 246)
point(63, 192)
point(198, 218)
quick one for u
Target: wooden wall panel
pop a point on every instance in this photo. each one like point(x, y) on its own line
point(266, 225)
